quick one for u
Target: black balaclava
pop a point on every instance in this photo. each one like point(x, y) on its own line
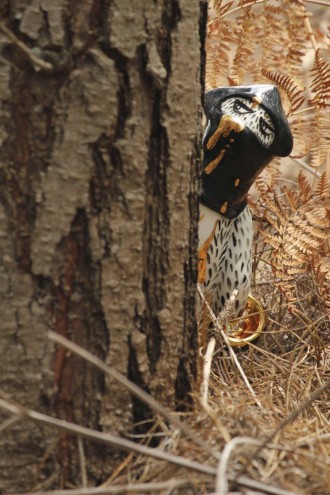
point(246, 128)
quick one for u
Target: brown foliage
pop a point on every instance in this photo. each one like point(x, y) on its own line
point(257, 42)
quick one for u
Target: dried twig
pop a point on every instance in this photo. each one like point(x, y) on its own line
point(231, 352)
point(123, 444)
point(104, 438)
point(225, 315)
point(134, 389)
point(82, 461)
point(8, 422)
point(131, 487)
point(315, 395)
point(207, 370)
point(221, 483)
point(36, 61)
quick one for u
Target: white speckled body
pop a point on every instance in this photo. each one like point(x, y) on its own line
point(228, 256)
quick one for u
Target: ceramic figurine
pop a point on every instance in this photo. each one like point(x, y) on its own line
point(246, 128)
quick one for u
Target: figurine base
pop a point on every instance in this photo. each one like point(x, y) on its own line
point(243, 331)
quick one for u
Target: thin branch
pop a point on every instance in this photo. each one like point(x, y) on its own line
point(8, 422)
point(123, 444)
point(207, 370)
point(306, 167)
point(134, 389)
point(250, 4)
point(137, 487)
point(82, 461)
point(38, 62)
point(319, 2)
point(221, 484)
point(231, 352)
point(104, 438)
point(310, 32)
point(303, 110)
point(258, 485)
point(315, 395)
point(256, 2)
point(317, 438)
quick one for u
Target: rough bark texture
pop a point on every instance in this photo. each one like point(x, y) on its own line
point(97, 217)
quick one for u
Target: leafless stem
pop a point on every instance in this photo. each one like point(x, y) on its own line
point(82, 461)
point(123, 444)
point(306, 167)
point(315, 395)
point(36, 61)
point(207, 370)
point(221, 484)
point(231, 352)
point(8, 422)
point(134, 389)
point(104, 438)
point(138, 487)
point(310, 31)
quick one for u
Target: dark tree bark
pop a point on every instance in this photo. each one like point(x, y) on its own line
point(99, 135)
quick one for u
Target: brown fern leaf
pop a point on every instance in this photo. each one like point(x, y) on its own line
point(243, 59)
point(323, 186)
point(298, 222)
point(245, 3)
point(320, 267)
point(321, 82)
point(288, 85)
point(220, 36)
point(321, 145)
point(303, 132)
point(291, 197)
point(298, 37)
point(272, 33)
point(220, 9)
point(305, 189)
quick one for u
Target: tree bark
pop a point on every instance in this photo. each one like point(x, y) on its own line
point(99, 158)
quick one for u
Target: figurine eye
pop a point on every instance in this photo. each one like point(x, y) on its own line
point(265, 128)
point(240, 108)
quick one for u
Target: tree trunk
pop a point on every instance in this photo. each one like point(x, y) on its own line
point(99, 135)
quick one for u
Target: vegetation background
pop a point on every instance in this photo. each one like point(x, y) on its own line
point(100, 143)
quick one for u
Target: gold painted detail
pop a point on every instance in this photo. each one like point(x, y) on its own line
point(237, 181)
point(224, 207)
point(201, 217)
point(255, 102)
point(227, 124)
point(211, 166)
point(202, 256)
point(250, 326)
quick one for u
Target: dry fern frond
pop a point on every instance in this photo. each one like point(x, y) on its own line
point(288, 85)
point(321, 139)
point(321, 82)
point(243, 60)
point(323, 187)
point(220, 36)
point(220, 9)
point(321, 271)
point(265, 184)
point(298, 224)
point(271, 34)
point(298, 36)
point(304, 134)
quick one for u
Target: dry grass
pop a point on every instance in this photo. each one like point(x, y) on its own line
point(279, 443)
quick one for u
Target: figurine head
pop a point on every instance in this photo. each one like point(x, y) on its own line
point(246, 128)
